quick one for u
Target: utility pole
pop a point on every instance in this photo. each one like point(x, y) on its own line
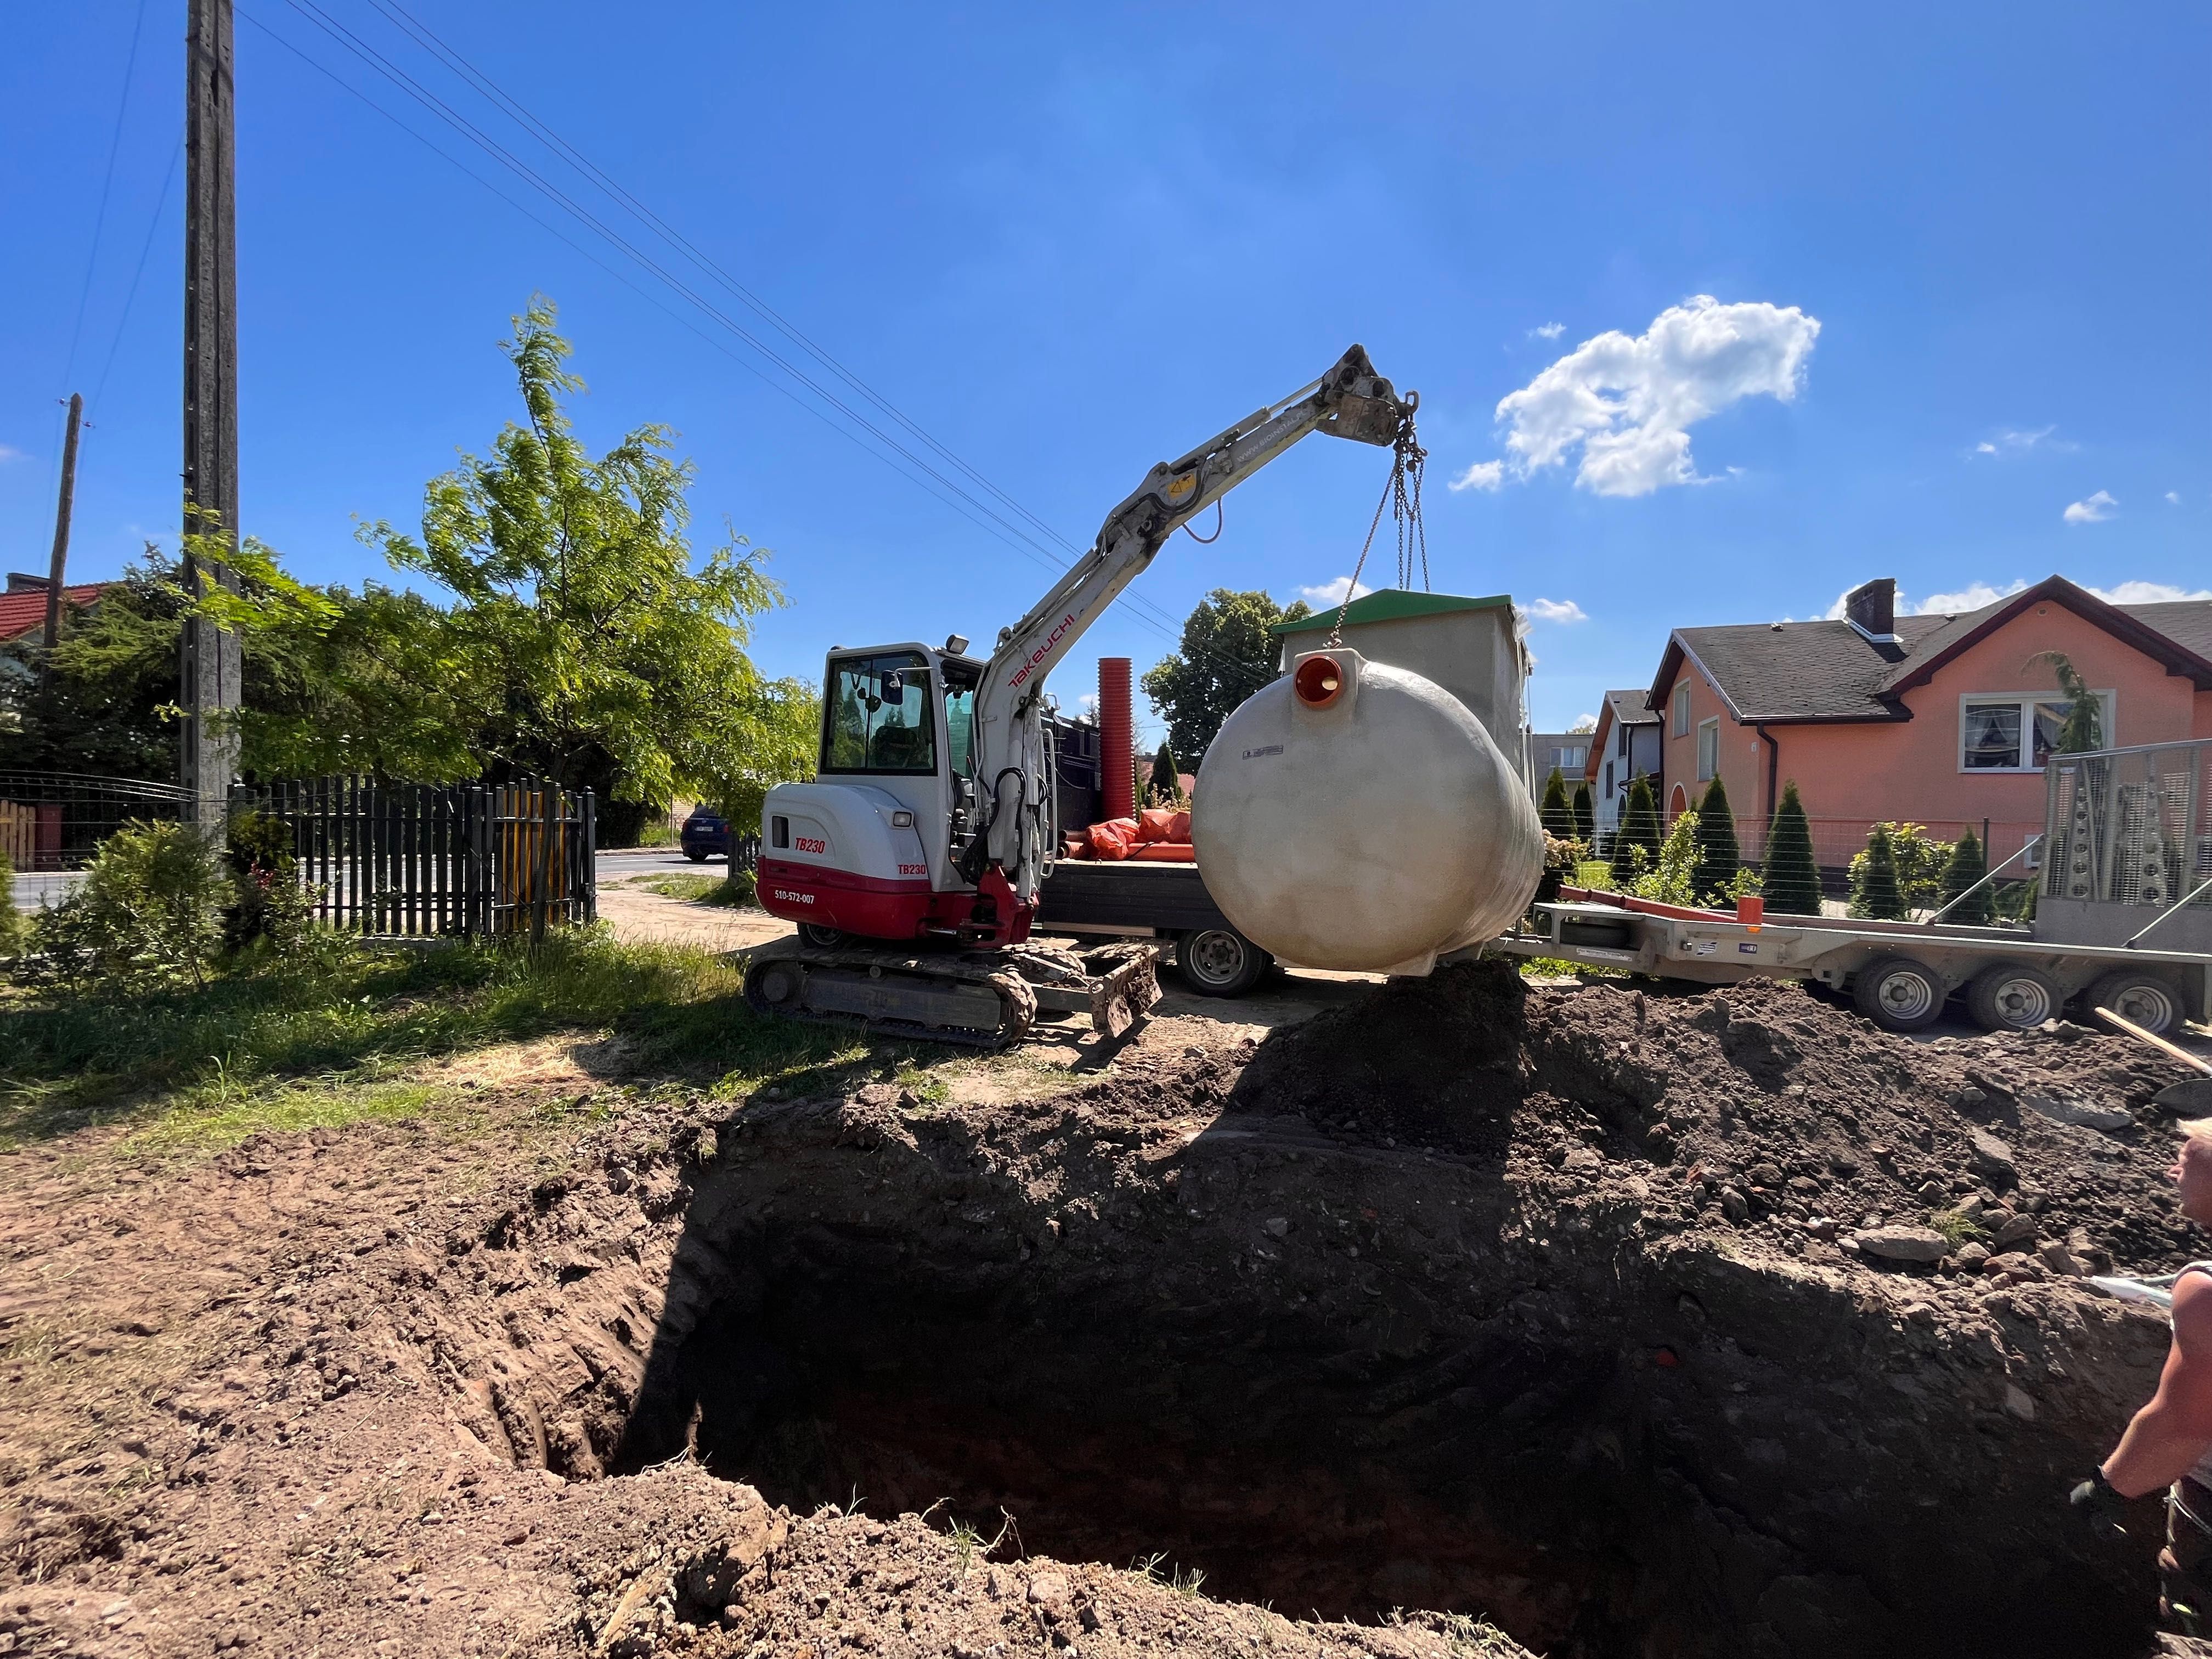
point(58, 571)
point(211, 663)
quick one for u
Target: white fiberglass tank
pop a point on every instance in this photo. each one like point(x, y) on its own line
point(1352, 815)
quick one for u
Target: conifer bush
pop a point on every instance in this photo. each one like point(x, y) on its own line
point(1719, 857)
point(1585, 813)
point(1639, 827)
point(1553, 812)
point(1966, 866)
point(1876, 894)
point(1793, 880)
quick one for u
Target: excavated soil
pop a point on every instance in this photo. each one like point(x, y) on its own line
point(1542, 1307)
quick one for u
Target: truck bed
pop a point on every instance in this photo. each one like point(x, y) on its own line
point(1122, 896)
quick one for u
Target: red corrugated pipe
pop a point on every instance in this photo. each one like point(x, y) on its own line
point(1116, 762)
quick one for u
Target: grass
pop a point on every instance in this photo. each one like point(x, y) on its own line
point(699, 890)
point(324, 1036)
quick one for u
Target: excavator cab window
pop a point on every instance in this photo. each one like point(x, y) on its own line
point(960, 682)
point(876, 715)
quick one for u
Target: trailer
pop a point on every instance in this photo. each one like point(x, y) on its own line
point(2123, 917)
point(1085, 898)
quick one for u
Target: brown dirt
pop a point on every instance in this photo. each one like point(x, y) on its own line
point(1407, 1306)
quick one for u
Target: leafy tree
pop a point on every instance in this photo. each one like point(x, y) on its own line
point(1920, 858)
point(1876, 893)
point(1585, 814)
point(1639, 827)
point(149, 910)
point(1557, 817)
point(2080, 733)
point(1966, 866)
point(1718, 856)
point(1792, 879)
point(1227, 655)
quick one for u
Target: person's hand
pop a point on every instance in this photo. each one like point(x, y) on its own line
point(2096, 1502)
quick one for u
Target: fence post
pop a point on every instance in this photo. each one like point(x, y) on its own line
point(587, 857)
point(478, 904)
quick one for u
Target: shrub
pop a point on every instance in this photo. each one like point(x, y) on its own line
point(266, 900)
point(1876, 893)
point(1793, 880)
point(1556, 815)
point(1639, 827)
point(13, 930)
point(739, 887)
point(1718, 856)
point(1919, 857)
point(149, 911)
point(1585, 813)
point(1966, 867)
point(1563, 861)
point(1670, 875)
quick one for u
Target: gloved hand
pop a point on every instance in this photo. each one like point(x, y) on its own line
point(2097, 1503)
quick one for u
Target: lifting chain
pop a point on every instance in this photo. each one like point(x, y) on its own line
point(1402, 496)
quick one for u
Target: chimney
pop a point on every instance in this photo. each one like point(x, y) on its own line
point(1871, 608)
point(21, 582)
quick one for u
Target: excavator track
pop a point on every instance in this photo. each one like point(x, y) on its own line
point(977, 999)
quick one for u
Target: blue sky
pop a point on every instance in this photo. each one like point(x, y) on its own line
point(1068, 242)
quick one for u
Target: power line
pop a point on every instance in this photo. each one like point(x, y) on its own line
point(160, 204)
point(106, 186)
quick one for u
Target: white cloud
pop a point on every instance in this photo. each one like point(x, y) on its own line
point(9, 453)
point(1557, 611)
point(2095, 509)
point(2019, 443)
point(1584, 723)
point(1332, 591)
point(1483, 475)
point(1547, 331)
point(2149, 593)
point(2174, 497)
point(1973, 597)
point(1630, 401)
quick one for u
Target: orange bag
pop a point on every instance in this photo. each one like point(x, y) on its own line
point(1167, 852)
point(1114, 839)
point(1158, 824)
point(1179, 825)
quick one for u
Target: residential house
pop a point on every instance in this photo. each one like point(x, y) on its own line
point(23, 607)
point(1569, 752)
point(1625, 747)
point(1945, 720)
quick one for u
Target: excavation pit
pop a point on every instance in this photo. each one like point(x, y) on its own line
point(1492, 1347)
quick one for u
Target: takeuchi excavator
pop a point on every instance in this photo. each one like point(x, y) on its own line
point(912, 863)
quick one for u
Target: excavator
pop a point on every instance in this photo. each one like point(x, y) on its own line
point(911, 864)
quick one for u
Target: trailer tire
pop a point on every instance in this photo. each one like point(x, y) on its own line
point(1219, 961)
point(2144, 998)
point(2012, 996)
point(823, 939)
point(1897, 994)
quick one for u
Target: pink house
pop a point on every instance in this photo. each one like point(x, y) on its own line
point(1944, 720)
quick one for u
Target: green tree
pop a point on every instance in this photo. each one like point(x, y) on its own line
point(1670, 879)
point(1719, 857)
point(1585, 813)
point(1639, 827)
point(1792, 884)
point(1227, 655)
point(2080, 732)
point(1557, 817)
point(1166, 781)
point(1876, 894)
point(1966, 867)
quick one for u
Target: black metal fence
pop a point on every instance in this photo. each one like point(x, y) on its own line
point(56, 820)
point(412, 860)
point(744, 852)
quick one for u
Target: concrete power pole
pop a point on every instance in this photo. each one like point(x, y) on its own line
point(211, 665)
point(58, 571)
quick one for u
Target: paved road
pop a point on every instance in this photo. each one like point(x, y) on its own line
point(36, 889)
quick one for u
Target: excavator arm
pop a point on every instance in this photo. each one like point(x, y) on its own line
point(1013, 781)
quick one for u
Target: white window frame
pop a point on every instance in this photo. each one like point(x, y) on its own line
point(1682, 709)
point(1708, 761)
point(2026, 701)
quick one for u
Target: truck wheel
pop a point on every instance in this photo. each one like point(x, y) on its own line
point(826, 938)
point(2009, 996)
point(2144, 999)
point(1897, 994)
point(1219, 961)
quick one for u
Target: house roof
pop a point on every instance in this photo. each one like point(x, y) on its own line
point(1782, 673)
point(1390, 604)
point(1631, 708)
point(24, 610)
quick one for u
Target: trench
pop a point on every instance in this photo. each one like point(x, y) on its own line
point(1527, 1477)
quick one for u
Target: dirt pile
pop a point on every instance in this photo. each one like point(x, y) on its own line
point(1521, 1305)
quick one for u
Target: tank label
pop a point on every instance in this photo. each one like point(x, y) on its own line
point(1256, 754)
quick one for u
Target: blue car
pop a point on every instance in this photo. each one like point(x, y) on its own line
point(705, 836)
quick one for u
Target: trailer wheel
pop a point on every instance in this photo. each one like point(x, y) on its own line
point(1219, 961)
point(2144, 999)
point(825, 939)
point(1897, 994)
point(2009, 996)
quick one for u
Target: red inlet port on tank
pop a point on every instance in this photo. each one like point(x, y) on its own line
point(1319, 681)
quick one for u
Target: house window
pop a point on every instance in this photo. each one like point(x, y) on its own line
point(1608, 779)
point(1682, 709)
point(1709, 749)
point(2009, 732)
point(1623, 745)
